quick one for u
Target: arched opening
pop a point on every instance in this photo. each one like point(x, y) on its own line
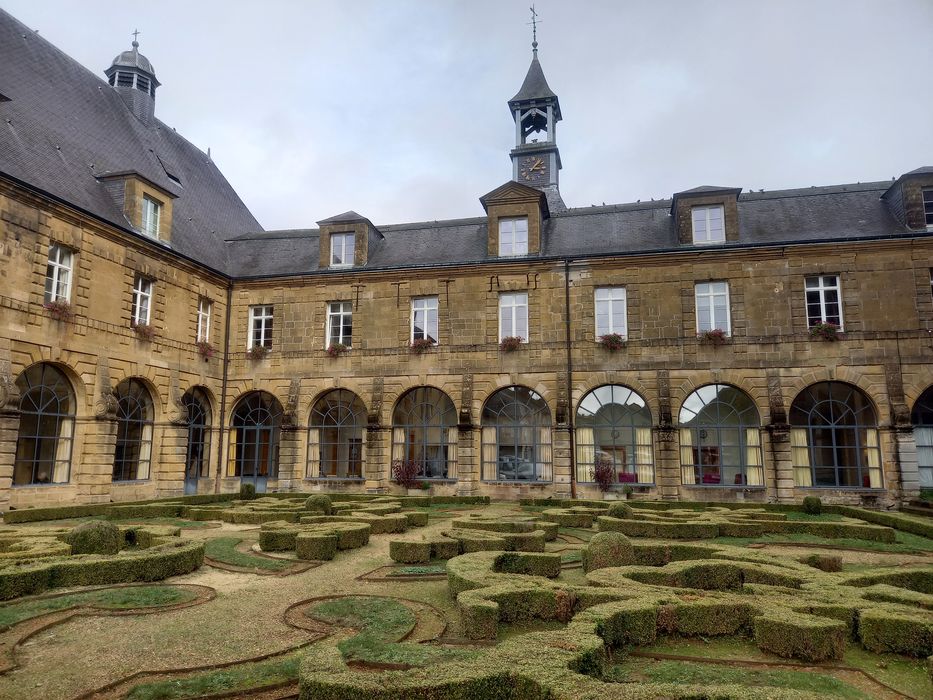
point(198, 443)
point(46, 426)
point(424, 431)
point(335, 436)
point(922, 419)
point(834, 437)
point(516, 439)
point(253, 454)
point(132, 455)
point(720, 438)
point(613, 427)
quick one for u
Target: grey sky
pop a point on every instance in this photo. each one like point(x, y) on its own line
point(398, 109)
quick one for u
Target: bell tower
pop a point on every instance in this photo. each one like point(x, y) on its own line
point(536, 111)
point(133, 77)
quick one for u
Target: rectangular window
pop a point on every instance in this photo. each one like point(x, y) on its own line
point(58, 274)
point(142, 301)
point(712, 301)
point(152, 213)
point(260, 324)
point(928, 207)
point(513, 236)
point(610, 311)
point(424, 319)
point(824, 300)
point(709, 224)
point(342, 247)
point(204, 319)
point(340, 323)
point(513, 316)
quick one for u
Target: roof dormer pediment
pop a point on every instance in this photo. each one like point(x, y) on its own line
point(515, 193)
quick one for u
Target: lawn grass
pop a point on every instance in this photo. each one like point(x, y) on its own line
point(223, 549)
point(906, 675)
point(241, 677)
point(700, 674)
point(807, 517)
point(423, 569)
point(380, 624)
point(568, 557)
point(112, 598)
point(905, 542)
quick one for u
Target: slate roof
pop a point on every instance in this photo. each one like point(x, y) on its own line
point(63, 125)
point(535, 85)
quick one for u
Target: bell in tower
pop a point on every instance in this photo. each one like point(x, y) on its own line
point(536, 111)
point(133, 77)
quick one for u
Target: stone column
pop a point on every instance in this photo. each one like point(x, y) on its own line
point(468, 474)
point(906, 447)
point(173, 448)
point(778, 455)
point(377, 467)
point(560, 459)
point(94, 475)
point(667, 467)
point(9, 430)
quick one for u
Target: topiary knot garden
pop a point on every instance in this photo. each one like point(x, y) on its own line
point(430, 598)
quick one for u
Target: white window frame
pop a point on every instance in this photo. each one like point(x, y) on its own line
point(705, 210)
point(151, 216)
point(142, 301)
point(205, 307)
point(613, 297)
point(338, 241)
point(822, 288)
point(261, 319)
point(337, 310)
point(926, 197)
point(710, 296)
point(516, 303)
point(59, 272)
point(511, 237)
point(428, 307)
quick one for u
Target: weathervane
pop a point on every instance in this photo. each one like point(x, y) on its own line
point(534, 30)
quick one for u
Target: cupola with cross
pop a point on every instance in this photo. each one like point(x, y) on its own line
point(133, 77)
point(536, 111)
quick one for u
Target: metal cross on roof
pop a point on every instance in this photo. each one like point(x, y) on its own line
point(534, 29)
point(136, 34)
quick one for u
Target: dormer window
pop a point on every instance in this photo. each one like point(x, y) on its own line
point(708, 225)
point(513, 236)
point(928, 207)
point(152, 213)
point(342, 246)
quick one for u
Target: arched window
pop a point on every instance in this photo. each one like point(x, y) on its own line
point(198, 445)
point(335, 438)
point(46, 426)
point(922, 419)
point(134, 431)
point(253, 454)
point(613, 427)
point(834, 437)
point(516, 436)
point(424, 431)
point(720, 438)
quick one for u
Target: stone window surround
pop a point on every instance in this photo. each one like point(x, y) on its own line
point(261, 318)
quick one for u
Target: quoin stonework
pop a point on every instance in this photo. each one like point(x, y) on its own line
point(716, 345)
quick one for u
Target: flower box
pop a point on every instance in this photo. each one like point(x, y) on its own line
point(510, 343)
point(337, 349)
point(59, 310)
point(825, 331)
point(144, 331)
point(421, 346)
point(714, 337)
point(612, 342)
point(205, 349)
point(257, 352)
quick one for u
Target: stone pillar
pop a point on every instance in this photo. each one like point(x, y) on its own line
point(777, 453)
point(94, 475)
point(906, 447)
point(560, 460)
point(173, 448)
point(9, 430)
point(378, 452)
point(667, 466)
point(290, 448)
point(468, 466)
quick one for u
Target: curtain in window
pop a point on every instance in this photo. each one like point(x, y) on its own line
point(644, 456)
point(873, 458)
point(800, 453)
point(924, 437)
point(543, 467)
point(398, 444)
point(489, 453)
point(586, 454)
point(754, 470)
point(231, 452)
point(314, 453)
point(687, 472)
point(452, 452)
point(145, 452)
point(62, 452)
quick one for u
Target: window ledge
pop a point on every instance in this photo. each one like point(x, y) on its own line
point(41, 485)
point(847, 489)
point(742, 487)
point(437, 480)
point(514, 482)
point(118, 482)
point(335, 479)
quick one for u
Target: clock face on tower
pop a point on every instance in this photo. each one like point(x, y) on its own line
point(533, 169)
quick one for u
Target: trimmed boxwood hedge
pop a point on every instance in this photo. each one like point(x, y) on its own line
point(531, 564)
point(807, 637)
point(608, 549)
point(884, 631)
point(316, 547)
point(153, 564)
point(95, 537)
point(410, 552)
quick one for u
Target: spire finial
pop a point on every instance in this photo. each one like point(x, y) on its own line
point(534, 31)
point(136, 34)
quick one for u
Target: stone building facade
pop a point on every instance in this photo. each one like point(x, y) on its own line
point(718, 345)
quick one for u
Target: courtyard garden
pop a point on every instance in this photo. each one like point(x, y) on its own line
point(291, 595)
